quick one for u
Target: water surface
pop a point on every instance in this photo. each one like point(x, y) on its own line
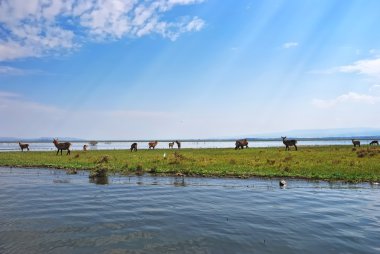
point(47, 211)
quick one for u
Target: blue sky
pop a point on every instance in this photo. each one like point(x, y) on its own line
point(187, 68)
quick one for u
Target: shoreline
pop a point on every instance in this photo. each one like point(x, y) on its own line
point(175, 175)
point(326, 163)
point(164, 175)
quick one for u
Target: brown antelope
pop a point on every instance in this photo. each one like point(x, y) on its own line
point(62, 146)
point(23, 146)
point(152, 144)
point(85, 148)
point(240, 144)
point(171, 144)
point(355, 142)
point(374, 142)
point(134, 147)
point(289, 142)
point(178, 144)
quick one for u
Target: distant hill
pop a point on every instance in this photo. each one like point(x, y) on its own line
point(342, 133)
point(324, 133)
point(339, 133)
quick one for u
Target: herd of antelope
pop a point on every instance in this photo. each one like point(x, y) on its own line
point(66, 146)
point(239, 144)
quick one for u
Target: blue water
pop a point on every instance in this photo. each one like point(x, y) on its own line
point(48, 211)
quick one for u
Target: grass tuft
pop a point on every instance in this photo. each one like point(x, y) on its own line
point(98, 173)
point(104, 159)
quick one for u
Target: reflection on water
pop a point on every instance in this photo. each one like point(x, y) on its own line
point(164, 145)
point(48, 211)
point(179, 182)
point(99, 180)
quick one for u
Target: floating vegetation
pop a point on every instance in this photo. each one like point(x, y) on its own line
point(72, 171)
point(99, 180)
point(153, 170)
point(98, 173)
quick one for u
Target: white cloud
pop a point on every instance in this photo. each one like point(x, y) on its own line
point(37, 27)
point(369, 67)
point(375, 89)
point(350, 97)
point(7, 70)
point(174, 30)
point(289, 45)
point(374, 52)
point(12, 50)
point(196, 24)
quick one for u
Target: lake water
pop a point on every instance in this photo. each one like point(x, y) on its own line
point(164, 145)
point(47, 211)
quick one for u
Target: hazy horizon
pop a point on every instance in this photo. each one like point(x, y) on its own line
point(307, 134)
point(124, 69)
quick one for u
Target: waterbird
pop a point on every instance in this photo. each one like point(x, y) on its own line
point(282, 183)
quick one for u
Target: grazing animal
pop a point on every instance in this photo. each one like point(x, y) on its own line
point(85, 148)
point(62, 146)
point(134, 147)
point(153, 144)
point(240, 144)
point(355, 142)
point(289, 142)
point(374, 142)
point(171, 144)
point(23, 146)
point(178, 144)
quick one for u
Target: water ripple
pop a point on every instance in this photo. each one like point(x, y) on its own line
point(47, 211)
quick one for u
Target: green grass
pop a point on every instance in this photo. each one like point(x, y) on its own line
point(320, 162)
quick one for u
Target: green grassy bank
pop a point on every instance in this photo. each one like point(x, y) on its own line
point(322, 162)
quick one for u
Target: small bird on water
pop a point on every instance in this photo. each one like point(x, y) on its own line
point(282, 183)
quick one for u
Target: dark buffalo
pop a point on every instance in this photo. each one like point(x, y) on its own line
point(355, 142)
point(240, 144)
point(134, 147)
